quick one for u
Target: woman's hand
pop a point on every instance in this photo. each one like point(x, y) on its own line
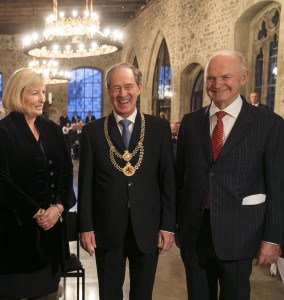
point(49, 217)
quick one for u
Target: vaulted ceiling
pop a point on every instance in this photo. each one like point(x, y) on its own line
point(24, 16)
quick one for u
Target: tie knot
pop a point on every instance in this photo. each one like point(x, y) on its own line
point(125, 123)
point(220, 114)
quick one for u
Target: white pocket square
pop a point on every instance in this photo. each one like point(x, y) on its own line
point(254, 199)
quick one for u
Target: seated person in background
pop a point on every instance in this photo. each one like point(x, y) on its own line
point(90, 117)
point(253, 97)
point(65, 130)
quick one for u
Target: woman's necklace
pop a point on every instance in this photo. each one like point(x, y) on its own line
point(128, 169)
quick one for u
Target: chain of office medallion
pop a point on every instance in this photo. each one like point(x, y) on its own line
point(139, 147)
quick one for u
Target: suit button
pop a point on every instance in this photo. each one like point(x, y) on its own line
point(50, 162)
point(130, 184)
point(51, 173)
point(211, 173)
point(125, 206)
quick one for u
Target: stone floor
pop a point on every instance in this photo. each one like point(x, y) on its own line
point(170, 278)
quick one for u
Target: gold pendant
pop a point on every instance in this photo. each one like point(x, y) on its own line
point(128, 170)
point(127, 156)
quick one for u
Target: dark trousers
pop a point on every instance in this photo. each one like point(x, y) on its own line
point(111, 270)
point(204, 270)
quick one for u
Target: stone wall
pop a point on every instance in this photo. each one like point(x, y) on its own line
point(193, 31)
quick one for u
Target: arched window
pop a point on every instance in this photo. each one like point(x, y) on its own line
point(197, 92)
point(258, 73)
point(272, 72)
point(85, 93)
point(265, 50)
point(162, 85)
point(135, 64)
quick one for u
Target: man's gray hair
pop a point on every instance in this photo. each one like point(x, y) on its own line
point(229, 53)
point(136, 73)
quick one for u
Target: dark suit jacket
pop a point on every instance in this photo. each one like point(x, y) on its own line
point(74, 120)
point(30, 179)
point(88, 119)
point(250, 162)
point(263, 106)
point(104, 191)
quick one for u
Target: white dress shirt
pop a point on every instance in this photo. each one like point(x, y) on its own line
point(131, 118)
point(229, 119)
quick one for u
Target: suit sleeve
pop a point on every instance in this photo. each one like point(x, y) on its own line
point(167, 184)
point(274, 182)
point(85, 184)
point(179, 165)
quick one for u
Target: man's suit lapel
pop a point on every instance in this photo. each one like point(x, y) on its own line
point(239, 129)
point(204, 132)
point(114, 133)
point(135, 136)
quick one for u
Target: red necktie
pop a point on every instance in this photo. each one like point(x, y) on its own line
point(217, 135)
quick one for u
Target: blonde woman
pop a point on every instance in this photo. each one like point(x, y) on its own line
point(36, 191)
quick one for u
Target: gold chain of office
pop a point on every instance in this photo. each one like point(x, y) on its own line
point(128, 169)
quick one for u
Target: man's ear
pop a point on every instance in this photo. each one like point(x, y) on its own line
point(139, 87)
point(244, 77)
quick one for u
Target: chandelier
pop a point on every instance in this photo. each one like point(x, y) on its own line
point(72, 37)
point(51, 71)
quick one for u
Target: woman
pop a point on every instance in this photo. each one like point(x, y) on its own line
point(35, 188)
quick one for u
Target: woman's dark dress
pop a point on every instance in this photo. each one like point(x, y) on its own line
point(33, 174)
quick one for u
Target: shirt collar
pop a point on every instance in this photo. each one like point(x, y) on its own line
point(233, 109)
point(130, 118)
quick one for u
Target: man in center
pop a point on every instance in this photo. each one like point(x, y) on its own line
point(126, 190)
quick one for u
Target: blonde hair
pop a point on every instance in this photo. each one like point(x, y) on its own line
point(13, 92)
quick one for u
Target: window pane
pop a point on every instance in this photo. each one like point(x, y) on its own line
point(161, 92)
point(272, 72)
point(85, 93)
point(258, 73)
point(197, 93)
